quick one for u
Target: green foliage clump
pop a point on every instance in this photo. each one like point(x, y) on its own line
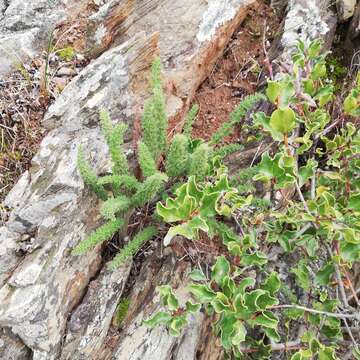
point(125, 191)
point(121, 311)
point(314, 168)
point(154, 121)
point(146, 161)
point(133, 246)
point(319, 226)
point(198, 162)
point(178, 156)
point(114, 136)
point(120, 191)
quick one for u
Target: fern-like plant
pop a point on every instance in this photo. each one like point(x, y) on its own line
point(122, 192)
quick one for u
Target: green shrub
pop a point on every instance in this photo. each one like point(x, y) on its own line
point(319, 226)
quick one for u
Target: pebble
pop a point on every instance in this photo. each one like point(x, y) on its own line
point(66, 71)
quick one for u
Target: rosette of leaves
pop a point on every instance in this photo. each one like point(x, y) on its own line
point(233, 298)
point(195, 204)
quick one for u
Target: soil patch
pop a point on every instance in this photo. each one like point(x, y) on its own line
point(237, 72)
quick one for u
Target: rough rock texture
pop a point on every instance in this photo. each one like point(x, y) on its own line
point(306, 20)
point(55, 210)
point(24, 28)
point(192, 35)
point(90, 322)
point(42, 284)
point(12, 348)
point(345, 9)
point(139, 342)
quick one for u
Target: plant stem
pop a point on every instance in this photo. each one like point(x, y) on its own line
point(338, 278)
point(301, 196)
point(291, 345)
point(354, 316)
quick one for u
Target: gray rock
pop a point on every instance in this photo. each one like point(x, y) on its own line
point(192, 35)
point(137, 341)
point(307, 20)
point(11, 348)
point(90, 322)
point(345, 9)
point(49, 282)
point(25, 27)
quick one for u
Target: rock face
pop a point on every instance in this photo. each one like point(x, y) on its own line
point(24, 26)
point(48, 282)
point(307, 20)
point(354, 28)
point(192, 34)
point(42, 284)
point(137, 341)
point(345, 9)
point(89, 324)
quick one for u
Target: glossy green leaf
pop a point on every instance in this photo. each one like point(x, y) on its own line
point(220, 270)
point(354, 202)
point(272, 284)
point(257, 258)
point(307, 171)
point(192, 308)
point(220, 303)
point(265, 319)
point(283, 120)
point(202, 292)
point(176, 325)
point(159, 318)
point(324, 274)
point(168, 298)
point(239, 334)
point(197, 275)
point(302, 274)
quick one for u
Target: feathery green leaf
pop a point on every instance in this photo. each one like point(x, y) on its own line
point(133, 246)
point(146, 161)
point(178, 156)
point(114, 136)
point(236, 116)
point(189, 120)
point(199, 161)
point(113, 206)
point(228, 149)
point(101, 234)
point(89, 176)
point(149, 188)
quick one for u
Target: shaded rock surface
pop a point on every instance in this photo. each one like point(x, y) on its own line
point(89, 323)
point(345, 9)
